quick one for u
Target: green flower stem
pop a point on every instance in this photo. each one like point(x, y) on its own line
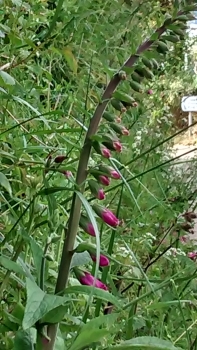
point(75, 213)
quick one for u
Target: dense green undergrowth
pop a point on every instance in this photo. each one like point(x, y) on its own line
point(56, 60)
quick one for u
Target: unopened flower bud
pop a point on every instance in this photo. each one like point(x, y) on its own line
point(103, 261)
point(87, 279)
point(192, 255)
point(106, 215)
point(134, 104)
point(96, 190)
point(122, 75)
point(107, 170)
point(86, 225)
point(125, 131)
point(118, 119)
point(100, 177)
point(59, 159)
point(91, 249)
point(104, 180)
point(119, 129)
point(150, 92)
point(101, 149)
point(117, 146)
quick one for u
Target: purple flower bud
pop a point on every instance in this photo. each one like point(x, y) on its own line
point(101, 149)
point(86, 225)
point(96, 190)
point(108, 170)
point(117, 146)
point(104, 180)
point(115, 174)
point(105, 152)
point(88, 280)
point(150, 92)
point(101, 194)
point(104, 261)
point(107, 216)
point(192, 255)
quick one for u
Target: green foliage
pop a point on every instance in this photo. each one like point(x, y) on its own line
point(56, 60)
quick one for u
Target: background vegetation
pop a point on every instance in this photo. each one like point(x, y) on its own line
point(57, 57)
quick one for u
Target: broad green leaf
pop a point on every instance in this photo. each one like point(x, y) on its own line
point(70, 59)
point(56, 315)
point(8, 80)
point(80, 259)
point(96, 292)
point(145, 343)
point(88, 337)
point(5, 183)
point(11, 265)
point(38, 304)
point(23, 340)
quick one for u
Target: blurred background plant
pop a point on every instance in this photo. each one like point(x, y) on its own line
point(56, 60)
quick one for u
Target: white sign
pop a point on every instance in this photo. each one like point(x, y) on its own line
point(189, 104)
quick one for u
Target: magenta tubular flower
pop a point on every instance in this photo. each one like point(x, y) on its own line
point(88, 280)
point(106, 215)
point(87, 226)
point(192, 255)
point(104, 180)
point(104, 261)
point(117, 146)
